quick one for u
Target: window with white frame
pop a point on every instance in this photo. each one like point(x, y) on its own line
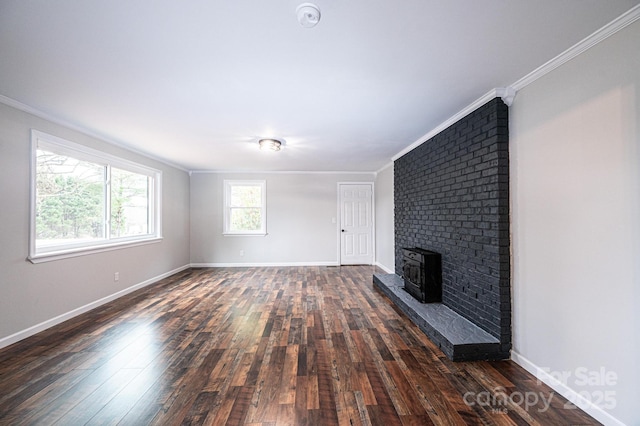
point(84, 200)
point(245, 211)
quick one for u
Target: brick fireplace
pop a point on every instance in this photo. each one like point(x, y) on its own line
point(451, 196)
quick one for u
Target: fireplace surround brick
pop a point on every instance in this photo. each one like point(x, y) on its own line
point(451, 196)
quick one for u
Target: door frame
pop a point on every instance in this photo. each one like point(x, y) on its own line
point(373, 220)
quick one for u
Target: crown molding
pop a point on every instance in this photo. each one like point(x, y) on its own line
point(280, 172)
point(452, 120)
point(603, 33)
point(49, 117)
point(386, 166)
point(508, 93)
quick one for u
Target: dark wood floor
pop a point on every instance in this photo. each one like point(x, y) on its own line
point(262, 346)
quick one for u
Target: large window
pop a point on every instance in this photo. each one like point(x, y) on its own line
point(84, 200)
point(245, 207)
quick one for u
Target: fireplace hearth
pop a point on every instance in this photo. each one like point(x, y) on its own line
point(422, 271)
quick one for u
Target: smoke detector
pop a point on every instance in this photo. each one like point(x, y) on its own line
point(308, 15)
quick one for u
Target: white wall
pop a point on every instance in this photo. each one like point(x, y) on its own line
point(300, 212)
point(575, 162)
point(33, 296)
point(385, 227)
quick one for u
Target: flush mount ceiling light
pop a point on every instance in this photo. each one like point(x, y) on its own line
point(270, 144)
point(308, 15)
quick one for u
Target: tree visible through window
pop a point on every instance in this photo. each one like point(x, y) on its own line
point(70, 199)
point(245, 207)
point(129, 203)
point(86, 199)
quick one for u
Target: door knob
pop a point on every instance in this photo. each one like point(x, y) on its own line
point(343, 230)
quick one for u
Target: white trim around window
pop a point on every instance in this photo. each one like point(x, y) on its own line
point(143, 208)
point(245, 208)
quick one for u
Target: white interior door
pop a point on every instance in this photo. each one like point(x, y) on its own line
point(356, 223)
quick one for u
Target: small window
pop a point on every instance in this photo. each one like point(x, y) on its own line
point(85, 201)
point(245, 207)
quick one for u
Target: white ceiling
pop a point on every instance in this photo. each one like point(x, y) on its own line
point(196, 82)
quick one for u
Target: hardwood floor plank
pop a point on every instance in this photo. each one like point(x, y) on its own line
point(240, 406)
point(29, 391)
point(287, 393)
point(124, 401)
point(256, 365)
point(436, 402)
point(381, 346)
point(84, 410)
point(265, 402)
point(295, 332)
point(257, 346)
point(342, 368)
point(36, 406)
point(385, 407)
point(326, 395)
point(286, 415)
point(220, 407)
point(365, 386)
point(300, 402)
point(200, 408)
point(221, 374)
point(301, 369)
point(313, 395)
point(406, 391)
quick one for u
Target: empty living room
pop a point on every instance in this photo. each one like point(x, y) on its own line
point(319, 213)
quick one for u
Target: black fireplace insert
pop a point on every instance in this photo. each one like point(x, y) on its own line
point(422, 271)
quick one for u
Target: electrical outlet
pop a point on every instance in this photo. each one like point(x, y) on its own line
point(241, 252)
point(116, 276)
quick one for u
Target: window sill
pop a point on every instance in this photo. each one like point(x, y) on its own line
point(65, 254)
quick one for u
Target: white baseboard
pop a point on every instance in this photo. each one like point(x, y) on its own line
point(584, 404)
point(261, 264)
point(16, 337)
point(384, 268)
